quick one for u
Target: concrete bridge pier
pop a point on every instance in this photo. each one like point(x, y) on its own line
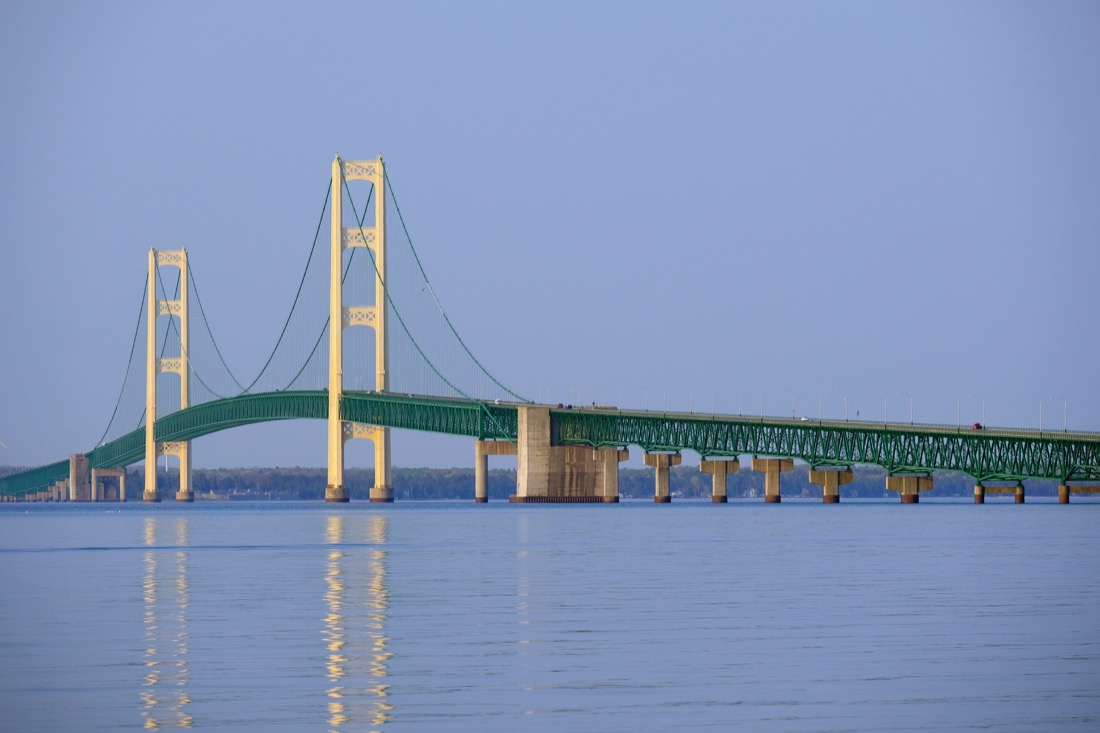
point(547, 473)
point(607, 460)
point(1063, 494)
point(482, 450)
point(979, 493)
point(99, 492)
point(662, 462)
point(80, 488)
point(909, 487)
point(772, 467)
point(719, 469)
point(830, 482)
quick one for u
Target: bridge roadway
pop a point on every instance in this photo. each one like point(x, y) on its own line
point(986, 455)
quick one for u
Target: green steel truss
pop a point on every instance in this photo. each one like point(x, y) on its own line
point(984, 454)
point(437, 415)
point(432, 414)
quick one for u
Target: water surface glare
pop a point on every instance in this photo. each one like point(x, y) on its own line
point(423, 616)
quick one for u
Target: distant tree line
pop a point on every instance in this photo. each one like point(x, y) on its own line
point(458, 483)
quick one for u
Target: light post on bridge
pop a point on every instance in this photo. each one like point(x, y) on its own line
point(793, 408)
point(906, 394)
point(831, 391)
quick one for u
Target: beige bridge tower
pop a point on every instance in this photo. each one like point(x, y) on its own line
point(372, 316)
point(154, 366)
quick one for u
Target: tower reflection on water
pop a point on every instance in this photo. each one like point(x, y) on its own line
point(166, 596)
point(353, 690)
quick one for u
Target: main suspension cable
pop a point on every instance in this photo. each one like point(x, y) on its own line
point(401, 218)
point(202, 312)
point(385, 289)
point(297, 295)
point(129, 362)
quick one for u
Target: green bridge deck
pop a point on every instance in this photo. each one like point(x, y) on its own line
point(988, 454)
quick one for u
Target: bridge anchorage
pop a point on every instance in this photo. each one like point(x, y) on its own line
point(562, 455)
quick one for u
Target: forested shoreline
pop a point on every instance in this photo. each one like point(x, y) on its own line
point(290, 484)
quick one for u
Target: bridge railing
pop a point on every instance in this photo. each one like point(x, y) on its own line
point(895, 426)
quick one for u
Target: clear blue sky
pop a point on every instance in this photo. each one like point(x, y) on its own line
point(685, 199)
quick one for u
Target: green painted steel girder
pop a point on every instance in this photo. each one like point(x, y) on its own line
point(438, 415)
point(35, 479)
point(449, 416)
point(983, 454)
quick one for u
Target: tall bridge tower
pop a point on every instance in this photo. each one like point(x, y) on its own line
point(154, 366)
point(341, 317)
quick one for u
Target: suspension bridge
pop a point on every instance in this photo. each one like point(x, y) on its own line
point(403, 365)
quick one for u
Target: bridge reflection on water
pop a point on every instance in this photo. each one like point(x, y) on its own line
point(355, 608)
point(346, 618)
point(164, 694)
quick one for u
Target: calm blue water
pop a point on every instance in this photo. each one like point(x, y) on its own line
point(865, 616)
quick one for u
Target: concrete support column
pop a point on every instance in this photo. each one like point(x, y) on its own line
point(719, 469)
point(909, 487)
point(185, 494)
point(382, 491)
point(1019, 493)
point(979, 493)
point(830, 482)
point(662, 462)
point(607, 480)
point(381, 494)
point(99, 492)
point(151, 495)
point(482, 450)
point(1063, 494)
point(79, 484)
point(533, 458)
point(481, 470)
point(772, 467)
